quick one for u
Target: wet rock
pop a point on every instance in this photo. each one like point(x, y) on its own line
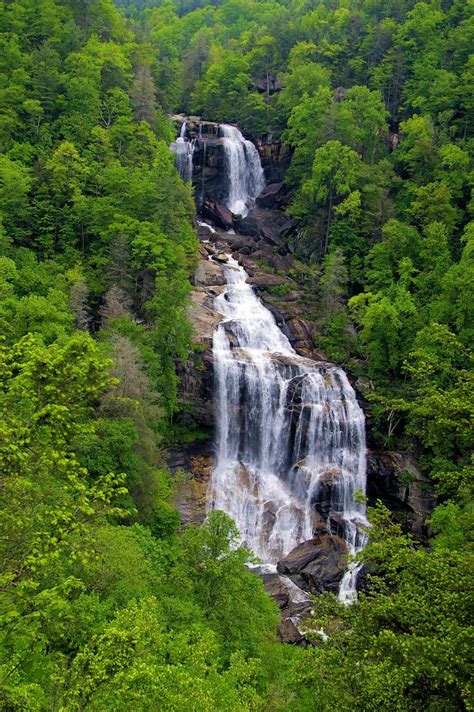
point(218, 213)
point(316, 565)
point(395, 478)
point(268, 522)
point(336, 524)
point(222, 258)
point(323, 497)
point(248, 264)
point(205, 250)
point(204, 232)
point(293, 603)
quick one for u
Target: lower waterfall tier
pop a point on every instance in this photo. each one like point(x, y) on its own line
point(290, 444)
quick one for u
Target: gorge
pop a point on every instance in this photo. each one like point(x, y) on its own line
point(290, 453)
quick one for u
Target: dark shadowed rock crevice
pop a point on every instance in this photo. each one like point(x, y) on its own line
point(395, 478)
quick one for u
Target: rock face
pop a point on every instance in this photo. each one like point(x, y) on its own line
point(395, 478)
point(209, 274)
point(192, 466)
point(196, 391)
point(203, 318)
point(317, 564)
point(272, 196)
point(196, 375)
point(294, 606)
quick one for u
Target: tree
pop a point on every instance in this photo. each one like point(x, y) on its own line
point(305, 76)
point(195, 62)
point(440, 409)
point(15, 185)
point(417, 150)
point(143, 95)
point(213, 569)
point(361, 122)
point(224, 93)
point(332, 187)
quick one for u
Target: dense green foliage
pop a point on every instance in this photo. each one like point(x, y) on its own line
point(104, 605)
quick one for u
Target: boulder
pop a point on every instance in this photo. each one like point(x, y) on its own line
point(270, 196)
point(316, 565)
point(271, 236)
point(248, 226)
point(289, 633)
point(205, 231)
point(222, 258)
point(295, 606)
point(209, 274)
point(281, 264)
point(263, 250)
point(242, 244)
point(277, 589)
point(218, 213)
point(236, 245)
point(300, 330)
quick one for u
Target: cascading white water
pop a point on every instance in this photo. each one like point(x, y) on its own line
point(205, 224)
point(184, 151)
point(290, 435)
point(244, 170)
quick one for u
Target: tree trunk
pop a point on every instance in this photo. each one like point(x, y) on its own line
point(328, 225)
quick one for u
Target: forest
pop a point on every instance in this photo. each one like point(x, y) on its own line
point(107, 603)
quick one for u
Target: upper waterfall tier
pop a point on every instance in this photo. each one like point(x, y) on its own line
point(184, 150)
point(244, 170)
point(290, 434)
point(224, 165)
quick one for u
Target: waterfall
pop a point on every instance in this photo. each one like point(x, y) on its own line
point(244, 170)
point(183, 151)
point(290, 435)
